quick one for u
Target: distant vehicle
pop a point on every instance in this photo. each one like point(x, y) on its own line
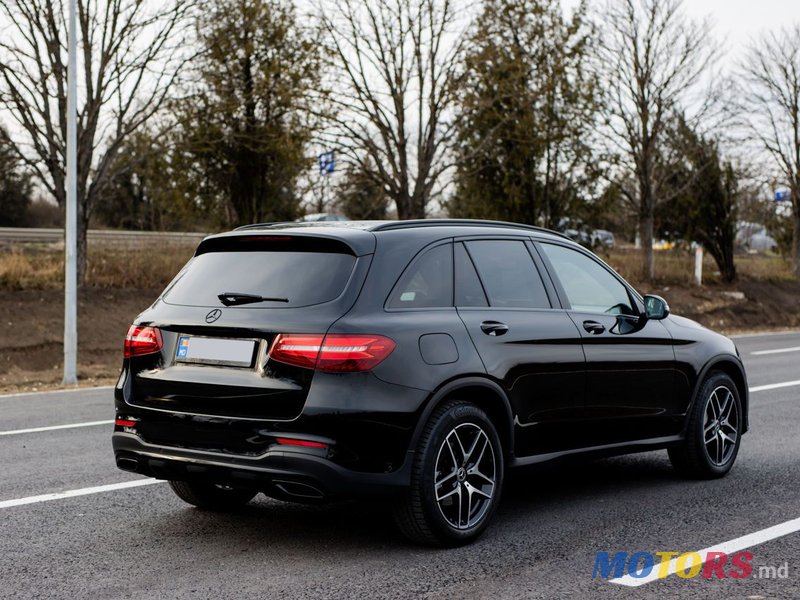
point(317, 217)
point(590, 238)
point(601, 238)
point(582, 236)
point(753, 237)
point(663, 245)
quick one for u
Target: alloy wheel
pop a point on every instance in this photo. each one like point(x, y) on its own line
point(721, 426)
point(466, 476)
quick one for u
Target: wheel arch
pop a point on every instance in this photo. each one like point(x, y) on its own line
point(733, 368)
point(484, 393)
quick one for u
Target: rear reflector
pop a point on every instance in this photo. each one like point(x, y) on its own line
point(142, 340)
point(125, 423)
point(334, 353)
point(304, 443)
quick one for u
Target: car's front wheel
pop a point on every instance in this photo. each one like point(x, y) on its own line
point(456, 480)
point(211, 496)
point(714, 430)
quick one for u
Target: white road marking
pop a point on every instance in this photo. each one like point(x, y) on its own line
point(69, 391)
point(54, 427)
point(80, 492)
point(740, 543)
point(758, 388)
point(777, 351)
point(774, 386)
point(755, 334)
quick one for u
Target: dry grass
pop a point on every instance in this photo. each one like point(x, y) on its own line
point(37, 266)
point(676, 267)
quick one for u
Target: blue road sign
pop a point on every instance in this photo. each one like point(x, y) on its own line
point(781, 195)
point(327, 162)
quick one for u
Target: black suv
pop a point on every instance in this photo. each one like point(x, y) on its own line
point(414, 359)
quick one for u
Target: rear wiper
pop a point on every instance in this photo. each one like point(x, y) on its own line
point(234, 298)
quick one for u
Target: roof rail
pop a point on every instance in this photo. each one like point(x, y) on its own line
point(461, 223)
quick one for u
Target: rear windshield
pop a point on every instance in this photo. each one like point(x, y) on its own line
point(303, 277)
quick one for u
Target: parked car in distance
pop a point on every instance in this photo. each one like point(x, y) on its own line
point(663, 245)
point(317, 217)
point(582, 236)
point(754, 238)
point(602, 238)
point(412, 363)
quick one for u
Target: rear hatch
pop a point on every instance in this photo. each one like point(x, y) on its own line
point(219, 317)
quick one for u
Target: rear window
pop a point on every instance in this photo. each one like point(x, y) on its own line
point(427, 283)
point(303, 276)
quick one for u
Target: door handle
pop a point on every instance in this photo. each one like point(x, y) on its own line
point(494, 328)
point(593, 327)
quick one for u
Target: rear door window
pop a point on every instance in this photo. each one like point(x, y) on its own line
point(468, 288)
point(305, 274)
point(508, 273)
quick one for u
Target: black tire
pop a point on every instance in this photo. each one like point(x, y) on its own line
point(210, 496)
point(419, 515)
point(704, 454)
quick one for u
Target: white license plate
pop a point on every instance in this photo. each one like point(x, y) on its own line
point(215, 351)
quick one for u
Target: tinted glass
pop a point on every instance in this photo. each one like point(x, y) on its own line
point(428, 282)
point(304, 278)
point(588, 285)
point(508, 274)
point(468, 288)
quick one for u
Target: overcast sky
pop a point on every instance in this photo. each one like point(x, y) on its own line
point(737, 22)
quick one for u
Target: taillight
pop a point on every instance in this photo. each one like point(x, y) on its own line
point(142, 340)
point(333, 353)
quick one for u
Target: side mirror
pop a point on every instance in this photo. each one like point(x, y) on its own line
point(655, 307)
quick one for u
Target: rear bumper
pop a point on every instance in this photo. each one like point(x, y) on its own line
point(289, 473)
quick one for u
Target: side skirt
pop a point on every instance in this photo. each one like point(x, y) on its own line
point(606, 450)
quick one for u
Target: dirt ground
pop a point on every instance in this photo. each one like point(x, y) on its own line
point(32, 333)
point(32, 325)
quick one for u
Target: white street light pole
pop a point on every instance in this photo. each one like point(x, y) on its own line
point(71, 224)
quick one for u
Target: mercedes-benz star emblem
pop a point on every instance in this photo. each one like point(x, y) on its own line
point(213, 315)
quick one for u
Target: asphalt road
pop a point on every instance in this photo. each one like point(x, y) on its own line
point(142, 542)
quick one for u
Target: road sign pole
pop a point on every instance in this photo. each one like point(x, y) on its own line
point(71, 219)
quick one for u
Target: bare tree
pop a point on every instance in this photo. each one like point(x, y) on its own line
point(130, 52)
point(771, 77)
point(652, 58)
point(394, 84)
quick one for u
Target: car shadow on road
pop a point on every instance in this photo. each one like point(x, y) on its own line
point(359, 525)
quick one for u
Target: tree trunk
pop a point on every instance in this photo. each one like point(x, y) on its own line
point(646, 234)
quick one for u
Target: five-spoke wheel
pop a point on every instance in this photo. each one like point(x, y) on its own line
point(721, 425)
point(456, 479)
point(465, 475)
point(713, 430)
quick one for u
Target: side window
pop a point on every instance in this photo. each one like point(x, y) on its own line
point(427, 283)
point(468, 288)
point(588, 285)
point(508, 273)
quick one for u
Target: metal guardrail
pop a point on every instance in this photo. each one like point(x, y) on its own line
point(26, 234)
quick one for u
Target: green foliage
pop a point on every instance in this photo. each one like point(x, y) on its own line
point(704, 191)
point(245, 128)
point(361, 196)
point(15, 186)
point(528, 108)
point(149, 189)
point(238, 143)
